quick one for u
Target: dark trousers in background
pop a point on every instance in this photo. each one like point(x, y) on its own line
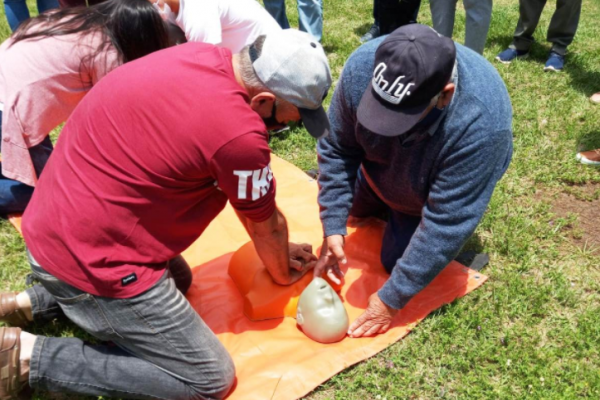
point(160, 347)
point(400, 227)
point(561, 31)
point(392, 14)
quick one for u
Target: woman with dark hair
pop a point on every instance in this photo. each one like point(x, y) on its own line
point(48, 65)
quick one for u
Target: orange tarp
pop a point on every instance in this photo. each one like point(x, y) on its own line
point(273, 358)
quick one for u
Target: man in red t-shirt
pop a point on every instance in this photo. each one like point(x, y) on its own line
point(147, 160)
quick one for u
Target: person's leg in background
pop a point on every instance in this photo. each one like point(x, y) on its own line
point(479, 16)
point(277, 10)
point(396, 13)
point(561, 32)
point(310, 16)
point(45, 5)
point(530, 12)
point(373, 31)
point(16, 12)
point(563, 25)
point(164, 351)
point(442, 15)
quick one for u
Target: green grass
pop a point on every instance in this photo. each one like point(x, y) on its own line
point(533, 330)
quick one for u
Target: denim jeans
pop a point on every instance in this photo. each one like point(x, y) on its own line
point(17, 11)
point(479, 16)
point(159, 346)
point(14, 195)
point(310, 15)
point(400, 227)
point(561, 31)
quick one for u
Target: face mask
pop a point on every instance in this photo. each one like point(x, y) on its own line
point(165, 12)
point(429, 120)
point(271, 122)
point(321, 314)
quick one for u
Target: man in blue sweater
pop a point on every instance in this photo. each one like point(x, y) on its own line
point(420, 135)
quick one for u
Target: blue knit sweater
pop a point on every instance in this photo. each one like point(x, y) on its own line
point(446, 175)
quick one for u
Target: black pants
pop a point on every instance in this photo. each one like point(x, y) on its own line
point(392, 14)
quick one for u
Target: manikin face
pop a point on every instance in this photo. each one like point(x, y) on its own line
point(321, 313)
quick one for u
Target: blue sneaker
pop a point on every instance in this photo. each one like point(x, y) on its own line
point(555, 62)
point(510, 54)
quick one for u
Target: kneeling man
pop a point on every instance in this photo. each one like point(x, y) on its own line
point(147, 160)
point(420, 135)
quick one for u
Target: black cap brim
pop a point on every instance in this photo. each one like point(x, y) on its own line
point(315, 122)
point(384, 119)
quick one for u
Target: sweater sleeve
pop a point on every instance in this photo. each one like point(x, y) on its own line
point(339, 157)
point(458, 198)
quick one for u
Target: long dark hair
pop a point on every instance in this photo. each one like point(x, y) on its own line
point(133, 27)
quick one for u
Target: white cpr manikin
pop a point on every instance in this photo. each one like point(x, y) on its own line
point(321, 313)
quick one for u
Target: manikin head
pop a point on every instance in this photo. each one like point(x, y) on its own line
point(321, 313)
point(287, 77)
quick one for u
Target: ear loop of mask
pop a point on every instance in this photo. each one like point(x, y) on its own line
point(272, 123)
point(165, 12)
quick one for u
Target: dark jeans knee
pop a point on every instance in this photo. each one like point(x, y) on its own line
point(220, 383)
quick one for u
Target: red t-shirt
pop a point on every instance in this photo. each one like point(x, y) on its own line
point(146, 161)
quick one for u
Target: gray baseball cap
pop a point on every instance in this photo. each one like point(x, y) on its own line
point(293, 65)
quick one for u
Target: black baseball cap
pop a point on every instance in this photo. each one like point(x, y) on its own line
point(412, 65)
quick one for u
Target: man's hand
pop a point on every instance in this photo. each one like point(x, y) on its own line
point(332, 254)
point(375, 320)
point(302, 258)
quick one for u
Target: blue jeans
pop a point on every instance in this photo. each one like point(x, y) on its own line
point(479, 16)
point(17, 11)
point(14, 195)
point(160, 347)
point(310, 15)
point(400, 227)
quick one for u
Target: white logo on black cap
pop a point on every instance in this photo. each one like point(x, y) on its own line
point(394, 93)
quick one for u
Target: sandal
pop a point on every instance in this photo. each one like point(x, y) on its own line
point(10, 348)
point(10, 312)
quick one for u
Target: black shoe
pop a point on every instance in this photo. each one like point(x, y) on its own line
point(372, 34)
point(473, 260)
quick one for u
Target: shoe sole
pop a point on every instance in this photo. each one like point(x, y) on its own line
point(586, 161)
point(523, 57)
point(552, 69)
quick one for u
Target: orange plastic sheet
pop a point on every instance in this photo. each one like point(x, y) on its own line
point(273, 358)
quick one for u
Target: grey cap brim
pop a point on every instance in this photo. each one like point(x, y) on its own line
point(315, 121)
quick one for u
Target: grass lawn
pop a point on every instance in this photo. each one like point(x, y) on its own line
point(533, 330)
